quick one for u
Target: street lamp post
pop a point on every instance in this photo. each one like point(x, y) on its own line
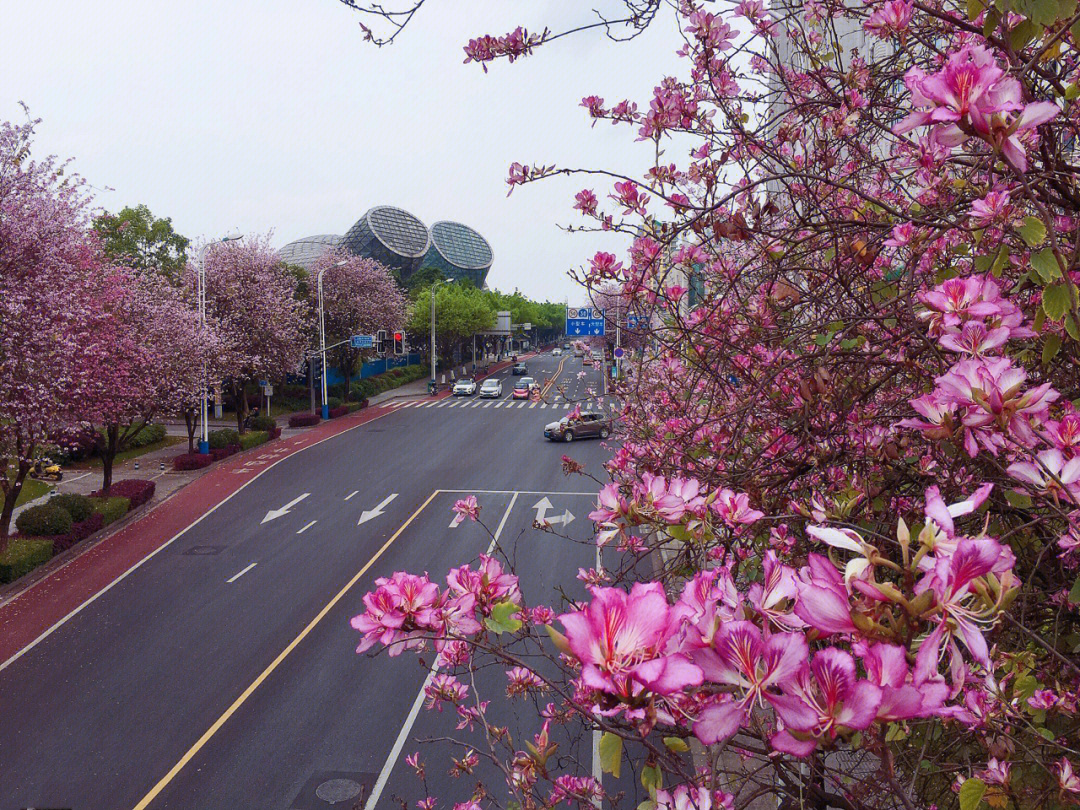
point(322, 334)
point(433, 286)
point(204, 443)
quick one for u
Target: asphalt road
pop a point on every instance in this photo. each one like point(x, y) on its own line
point(222, 673)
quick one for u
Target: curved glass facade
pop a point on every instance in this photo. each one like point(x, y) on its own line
point(391, 236)
point(459, 252)
point(305, 252)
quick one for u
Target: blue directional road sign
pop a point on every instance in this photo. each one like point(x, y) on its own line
point(362, 341)
point(584, 321)
point(636, 321)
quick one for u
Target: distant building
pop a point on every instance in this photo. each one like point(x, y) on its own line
point(399, 240)
point(459, 252)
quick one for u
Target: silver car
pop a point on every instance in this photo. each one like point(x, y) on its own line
point(490, 389)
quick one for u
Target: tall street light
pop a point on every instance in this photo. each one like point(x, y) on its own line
point(204, 443)
point(433, 286)
point(322, 333)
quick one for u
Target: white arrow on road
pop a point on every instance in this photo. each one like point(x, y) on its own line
point(368, 514)
point(276, 513)
point(542, 506)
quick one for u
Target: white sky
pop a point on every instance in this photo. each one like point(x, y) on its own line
point(275, 115)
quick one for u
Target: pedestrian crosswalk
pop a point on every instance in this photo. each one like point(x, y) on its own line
point(494, 404)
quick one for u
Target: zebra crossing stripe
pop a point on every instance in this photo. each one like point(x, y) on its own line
point(487, 404)
point(498, 404)
point(532, 405)
point(543, 404)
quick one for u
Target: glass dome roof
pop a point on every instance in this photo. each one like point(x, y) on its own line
point(305, 252)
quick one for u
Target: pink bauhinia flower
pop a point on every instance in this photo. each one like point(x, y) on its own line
point(399, 610)
point(902, 235)
point(1068, 780)
point(886, 665)
point(489, 583)
point(892, 17)
point(741, 657)
point(994, 207)
point(734, 508)
point(1050, 474)
point(823, 600)
point(824, 700)
point(775, 596)
point(622, 640)
point(706, 602)
point(467, 508)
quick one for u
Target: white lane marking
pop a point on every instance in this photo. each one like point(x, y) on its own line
point(274, 514)
point(239, 574)
point(354, 492)
point(532, 405)
point(522, 405)
point(308, 526)
point(430, 404)
point(456, 521)
point(410, 720)
point(487, 404)
point(368, 514)
point(498, 404)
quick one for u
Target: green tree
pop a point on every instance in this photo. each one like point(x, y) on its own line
point(137, 239)
point(460, 312)
point(422, 279)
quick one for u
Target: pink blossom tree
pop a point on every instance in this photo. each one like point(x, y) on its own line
point(49, 307)
point(261, 323)
point(359, 297)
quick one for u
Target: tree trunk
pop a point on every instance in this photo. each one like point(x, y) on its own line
point(240, 397)
point(11, 494)
point(108, 456)
point(191, 419)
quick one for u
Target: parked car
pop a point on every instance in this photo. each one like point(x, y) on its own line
point(490, 388)
point(520, 369)
point(589, 425)
point(464, 387)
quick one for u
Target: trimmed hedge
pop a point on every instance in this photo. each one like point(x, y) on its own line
point(43, 520)
point(111, 508)
point(78, 506)
point(340, 410)
point(254, 438)
point(138, 491)
point(192, 461)
point(24, 555)
point(150, 434)
point(263, 423)
point(333, 402)
point(79, 532)
point(357, 406)
point(274, 432)
point(304, 420)
point(222, 438)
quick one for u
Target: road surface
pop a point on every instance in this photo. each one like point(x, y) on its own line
point(222, 673)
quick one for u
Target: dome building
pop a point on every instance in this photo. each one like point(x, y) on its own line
point(391, 236)
point(305, 252)
point(459, 252)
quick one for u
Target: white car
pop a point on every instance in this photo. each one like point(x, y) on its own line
point(464, 388)
point(491, 388)
point(556, 352)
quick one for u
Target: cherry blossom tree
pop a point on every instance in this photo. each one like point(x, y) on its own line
point(260, 322)
point(49, 307)
point(858, 448)
point(359, 297)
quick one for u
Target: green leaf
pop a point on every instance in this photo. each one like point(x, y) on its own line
point(1055, 301)
point(1050, 348)
point(502, 619)
point(1000, 262)
point(990, 22)
point(984, 262)
point(1023, 33)
point(611, 753)
point(1074, 593)
point(1033, 231)
point(1072, 327)
point(974, 8)
point(971, 793)
point(1040, 319)
point(651, 779)
point(1072, 92)
point(678, 744)
point(1046, 265)
point(1025, 686)
point(1018, 499)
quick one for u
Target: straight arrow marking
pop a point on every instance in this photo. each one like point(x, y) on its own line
point(276, 513)
point(368, 514)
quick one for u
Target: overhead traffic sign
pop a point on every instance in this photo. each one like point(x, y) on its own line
point(362, 341)
point(636, 321)
point(584, 321)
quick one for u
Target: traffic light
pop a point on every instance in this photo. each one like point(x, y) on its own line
point(399, 343)
point(380, 341)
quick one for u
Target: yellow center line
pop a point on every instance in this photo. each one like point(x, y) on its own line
point(205, 738)
point(551, 382)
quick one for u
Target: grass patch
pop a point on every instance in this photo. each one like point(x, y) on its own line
point(23, 555)
point(32, 489)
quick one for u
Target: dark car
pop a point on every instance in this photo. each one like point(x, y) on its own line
point(589, 425)
point(519, 369)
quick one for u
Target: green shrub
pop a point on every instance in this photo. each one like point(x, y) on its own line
point(111, 509)
point(220, 439)
point(44, 520)
point(333, 402)
point(150, 434)
point(253, 438)
point(263, 423)
point(24, 555)
point(78, 506)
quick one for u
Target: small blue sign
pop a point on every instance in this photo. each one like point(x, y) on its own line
point(362, 341)
point(584, 321)
point(619, 352)
point(636, 321)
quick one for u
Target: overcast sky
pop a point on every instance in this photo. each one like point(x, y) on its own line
point(276, 116)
